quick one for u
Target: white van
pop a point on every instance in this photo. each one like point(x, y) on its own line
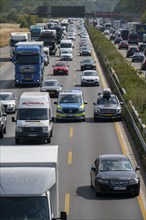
point(66, 45)
point(34, 117)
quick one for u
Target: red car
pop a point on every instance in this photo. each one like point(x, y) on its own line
point(60, 68)
point(123, 45)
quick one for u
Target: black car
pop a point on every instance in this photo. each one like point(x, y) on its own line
point(114, 173)
point(117, 40)
point(142, 47)
point(131, 51)
point(88, 64)
point(107, 106)
point(85, 51)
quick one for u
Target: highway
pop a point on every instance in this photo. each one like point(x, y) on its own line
point(79, 144)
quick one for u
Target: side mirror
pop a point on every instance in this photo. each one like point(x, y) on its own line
point(121, 103)
point(94, 103)
point(137, 168)
point(4, 114)
point(93, 168)
point(55, 103)
point(13, 119)
point(42, 59)
point(85, 102)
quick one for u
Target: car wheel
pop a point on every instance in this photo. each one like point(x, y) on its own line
point(49, 139)
point(2, 133)
point(96, 190)
point(16, 141)
point(5, 130)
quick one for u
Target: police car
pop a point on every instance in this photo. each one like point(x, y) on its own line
point(70, 105)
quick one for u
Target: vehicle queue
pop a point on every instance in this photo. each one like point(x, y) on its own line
point(70, 106)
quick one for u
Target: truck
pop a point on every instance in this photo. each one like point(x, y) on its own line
point(133, 37)
point(141, 30)
point(59, 32)
point(124, 34)
point(29, 186)
point(35, 31)
point(16, 37)
point(34, 120)
point(49, 38)
point(29, 63)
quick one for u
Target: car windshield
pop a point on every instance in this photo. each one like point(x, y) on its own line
point(115, 165)
point(88, 61)
point(32, 114)
point(110, 100)
point(16, 208)
point(89, 74)
point(59, 64)
point(6, 97)
point(70, 98)
point(50, 83)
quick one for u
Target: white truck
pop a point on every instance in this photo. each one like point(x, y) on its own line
point(34, 119)
point(16, 37)
point(29, 187)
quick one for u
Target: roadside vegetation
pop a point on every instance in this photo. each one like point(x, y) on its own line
point(128, 80)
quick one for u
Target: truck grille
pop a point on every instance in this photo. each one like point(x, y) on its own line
point(32, 129)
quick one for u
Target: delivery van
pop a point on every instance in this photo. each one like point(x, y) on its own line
point(34, 118)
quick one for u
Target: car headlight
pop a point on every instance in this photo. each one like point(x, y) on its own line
point(105, 181)
point(82, 109)
point(134, 181)
point(97, 110)
point(119, 110)
point(45, 129)
point(59, 110)
point(18, 128)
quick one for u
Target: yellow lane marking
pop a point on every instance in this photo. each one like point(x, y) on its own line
point(69, 161)
point(117, 127)
point(102, 79)
point(121, 140)
point(71, 132)
point(119, 133)
point(143, 210)
point(67, 203)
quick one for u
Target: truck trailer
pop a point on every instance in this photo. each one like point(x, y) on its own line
point(29, 186)
point(16, 37)
point(29, 63)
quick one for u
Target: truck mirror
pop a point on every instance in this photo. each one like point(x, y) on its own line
point(13, 119)
point(13, 60)
point(42, 59)
point(63, 216)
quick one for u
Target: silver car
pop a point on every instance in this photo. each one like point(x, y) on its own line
point(90, 77)
point(107, 106)
point(9, 101)
point(52, 86)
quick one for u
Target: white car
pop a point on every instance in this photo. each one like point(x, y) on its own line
point(71, 36)
point(90, 77)
point(9, 101)
point(66, 55)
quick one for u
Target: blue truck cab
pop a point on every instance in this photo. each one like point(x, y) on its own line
point(35, 31)
point(29, 63)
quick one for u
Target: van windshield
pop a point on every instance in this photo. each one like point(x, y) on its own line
point(65, 45)
point(16, 208)
point(32, 114)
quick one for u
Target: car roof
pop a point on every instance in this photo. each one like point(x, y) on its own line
point(6, 93)
point(73, 91)
point(48, 80)
point(112, 156)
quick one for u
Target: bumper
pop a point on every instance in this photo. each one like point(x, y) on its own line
point(80, 116)
point(107, 116)
point(30, 136)
point(129, 189)
point(94, 83)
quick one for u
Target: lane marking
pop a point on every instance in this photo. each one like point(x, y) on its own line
point(141, 197)
point(67, 203)
point(69, 161)
point(71, 132)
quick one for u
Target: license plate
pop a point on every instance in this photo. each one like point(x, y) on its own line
point(108, 115)
point(119, 188)
point(32, 135)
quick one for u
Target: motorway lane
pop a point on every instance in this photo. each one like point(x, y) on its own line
point(79, 143)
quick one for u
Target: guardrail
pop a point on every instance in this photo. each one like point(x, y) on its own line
point(130, 115)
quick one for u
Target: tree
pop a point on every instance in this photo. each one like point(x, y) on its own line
point(143, 18)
